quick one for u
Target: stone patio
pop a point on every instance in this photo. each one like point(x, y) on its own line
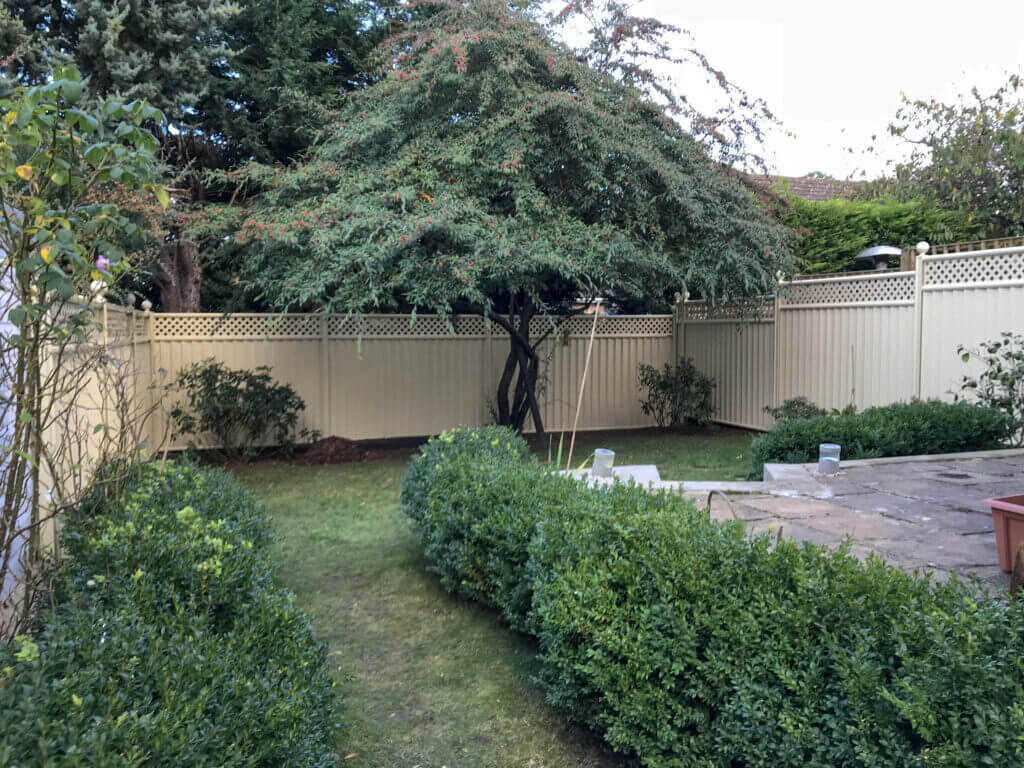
point(920, 513)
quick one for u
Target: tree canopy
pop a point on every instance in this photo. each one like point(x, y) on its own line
point(489, 170)
point(965, 156)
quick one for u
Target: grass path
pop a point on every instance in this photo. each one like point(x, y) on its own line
point(426, 680)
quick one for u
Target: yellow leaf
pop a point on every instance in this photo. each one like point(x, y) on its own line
point(46, 253)
point(96, 274)
point(76, 700)
point(25, 171)
point(163, 196)
point(10, 117)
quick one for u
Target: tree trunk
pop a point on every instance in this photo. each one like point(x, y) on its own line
point(514, 404)
point(178, 276)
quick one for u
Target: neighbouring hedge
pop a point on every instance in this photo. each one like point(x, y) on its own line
point(835, 231)
point(170, 643)
point(688, 643)
point(901, 429)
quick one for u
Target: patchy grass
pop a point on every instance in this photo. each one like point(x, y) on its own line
point(714, 454)
point(428, 680)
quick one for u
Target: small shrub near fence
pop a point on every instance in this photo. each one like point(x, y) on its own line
point(901, 429)
point(170, 643)
point(676, 395)
point(686, 642)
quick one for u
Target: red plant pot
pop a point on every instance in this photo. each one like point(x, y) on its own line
point(1008, 519)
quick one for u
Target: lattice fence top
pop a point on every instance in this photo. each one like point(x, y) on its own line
point(869, 289)
point(251, 326)
point(760, 309)
point(968, 268)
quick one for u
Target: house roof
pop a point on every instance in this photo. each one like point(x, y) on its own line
point(811, 188)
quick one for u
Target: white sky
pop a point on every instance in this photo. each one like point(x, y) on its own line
point(833, 70)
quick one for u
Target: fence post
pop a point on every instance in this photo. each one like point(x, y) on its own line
point(325, 375)
point(776, 342)
point(679, 327)
point(922, 249)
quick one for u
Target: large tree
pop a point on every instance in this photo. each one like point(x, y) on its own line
point(491, 171)
point(965, 156)
point(237, 79)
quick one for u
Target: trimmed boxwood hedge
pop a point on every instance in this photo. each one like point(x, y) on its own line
point(901, 429)
point(688, 643)
point(170, 643)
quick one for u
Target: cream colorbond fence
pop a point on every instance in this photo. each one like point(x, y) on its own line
point(869, 339)
point(384, 376)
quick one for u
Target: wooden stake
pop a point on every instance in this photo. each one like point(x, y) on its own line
point(583, 383)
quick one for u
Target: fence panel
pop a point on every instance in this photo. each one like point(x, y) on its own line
point(967, 298)
point(384, 376)
point(848, 340)
point(737, 349)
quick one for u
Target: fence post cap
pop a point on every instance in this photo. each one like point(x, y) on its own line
point(147, 305)
point(922, 248)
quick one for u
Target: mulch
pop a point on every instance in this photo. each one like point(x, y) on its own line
point(336, 450)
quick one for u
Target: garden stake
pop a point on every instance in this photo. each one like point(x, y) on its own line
point(583, 383)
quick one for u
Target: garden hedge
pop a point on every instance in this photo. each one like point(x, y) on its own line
point(901, 429)
point(170, 643)
point(688, 643)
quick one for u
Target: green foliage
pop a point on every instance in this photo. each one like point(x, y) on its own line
point(685, 642)
point(795, 408)
point(286, 63)
point(1001, 384)
point(161, 51)
point(56, 153)
point(170, 644)
point(677, 395)
point(966, 156)
point(901, 429)
point(240, 408)
point(486, 444)
point(488, 168)
point(835, 231)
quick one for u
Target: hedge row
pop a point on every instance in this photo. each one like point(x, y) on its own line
point(901, 429)
point(687, 643)
point(170, 644)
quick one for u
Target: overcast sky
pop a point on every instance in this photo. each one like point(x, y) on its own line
point(833, 71)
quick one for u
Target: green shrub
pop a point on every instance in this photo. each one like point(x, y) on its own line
point(795, 408)
point(170, 643)
point(1001, 382)
point(902, 429)
point(676, 395)
point(476, 496)
point(835, 231)
point(486, 443)
point(686, 642)
point(240, 409)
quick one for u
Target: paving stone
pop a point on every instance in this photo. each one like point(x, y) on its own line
point(956, 552)
point(1001, 468)
point(842, 484)
point(795, 530)
point(932, 516)
point(862, 526)
point(791, 508)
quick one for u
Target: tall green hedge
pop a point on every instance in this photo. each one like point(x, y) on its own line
point(900, 429)
point(170, 643)
point(835, 231)
point(688, 643)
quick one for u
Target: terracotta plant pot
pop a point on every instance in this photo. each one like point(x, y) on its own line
point(1008, 519)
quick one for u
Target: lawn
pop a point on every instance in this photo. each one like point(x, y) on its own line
point(426, 679)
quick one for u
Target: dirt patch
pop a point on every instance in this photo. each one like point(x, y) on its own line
point(335, 450)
